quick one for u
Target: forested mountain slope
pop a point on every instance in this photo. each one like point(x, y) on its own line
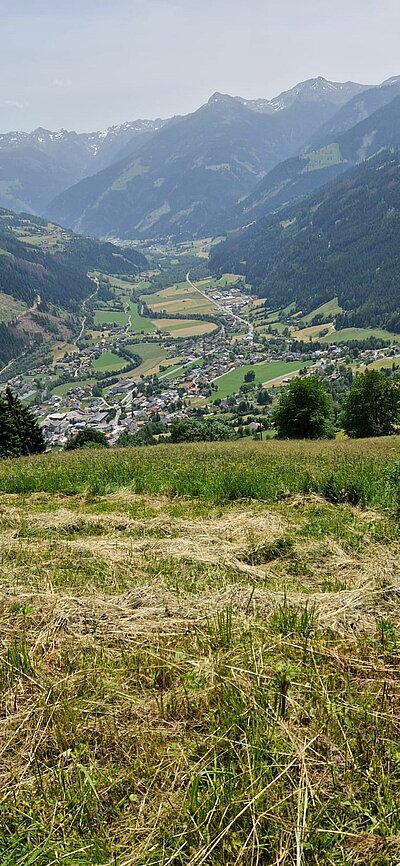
point(357, 109)
point(38, 257)
point(341, 241)
point(180, 179)
point(312, 169)
point(44, 267)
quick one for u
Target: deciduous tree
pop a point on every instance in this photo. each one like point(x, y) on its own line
point(304, 411)
point(372, 405)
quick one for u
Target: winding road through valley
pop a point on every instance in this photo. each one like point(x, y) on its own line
point(234, 316)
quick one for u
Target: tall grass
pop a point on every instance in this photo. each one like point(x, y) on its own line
point(361, 472)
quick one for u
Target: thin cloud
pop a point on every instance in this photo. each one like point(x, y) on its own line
point(62, 82)
point(13, 103)
point(88, 65)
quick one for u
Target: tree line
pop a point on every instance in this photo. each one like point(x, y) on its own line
point(20, 434)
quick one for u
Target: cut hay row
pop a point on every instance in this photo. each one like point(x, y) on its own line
point(197, 680)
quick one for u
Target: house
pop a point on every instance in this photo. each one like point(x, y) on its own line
point(254, 427)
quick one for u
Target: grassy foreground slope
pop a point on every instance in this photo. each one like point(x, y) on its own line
point(201, 678)
point(362, 471)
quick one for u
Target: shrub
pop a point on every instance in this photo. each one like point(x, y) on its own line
point(87, 438)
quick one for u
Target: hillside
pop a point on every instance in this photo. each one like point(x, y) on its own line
point(191, 679)
point(357, 109)
point(177, 182)
point(36, 166)
point(341, 241)
point(44, 268)
point(340, 145)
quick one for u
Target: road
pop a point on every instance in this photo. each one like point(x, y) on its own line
point(3, 370)
point(81, 332)
point(234, 316)
point(129, 324)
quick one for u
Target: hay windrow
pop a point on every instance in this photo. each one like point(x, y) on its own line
point(181, 682)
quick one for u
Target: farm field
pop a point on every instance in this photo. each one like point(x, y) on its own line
point(56, 237)
point(62, 390)
point(225, 280)
point(153, 355)
point(60, 349)
point(382, 364)
point(358, 334)
point(178, 299)
point(112, 317)
point(265, 372)
point(327, 311)
point(118, 317)
point(184, 327)
point(313, 331)
point(127, 285)
point(140, 323)
point(201, 637)
point(109, 361)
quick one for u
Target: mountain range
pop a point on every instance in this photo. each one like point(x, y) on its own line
point(36, 166)
point(177, 182)
point(366, 123)
point(154, 178)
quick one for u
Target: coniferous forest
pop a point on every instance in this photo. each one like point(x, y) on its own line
point(342, 241)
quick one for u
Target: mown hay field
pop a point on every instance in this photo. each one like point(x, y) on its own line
point(199, 656)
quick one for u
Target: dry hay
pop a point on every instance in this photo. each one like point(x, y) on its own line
point(235, 526)
point(149, 609)
point(243, 542)
point(365, 847)
point(101, 618)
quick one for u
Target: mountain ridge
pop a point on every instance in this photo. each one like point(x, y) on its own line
point(37, 165)
point(43, 268)
point(311, 169)
point(217, 153)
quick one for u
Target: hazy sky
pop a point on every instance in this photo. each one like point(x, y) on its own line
point(87, 64)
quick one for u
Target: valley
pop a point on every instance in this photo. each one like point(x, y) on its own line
point(198, 346)
point(199, 441)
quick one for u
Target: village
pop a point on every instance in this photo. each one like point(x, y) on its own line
point(106, 385)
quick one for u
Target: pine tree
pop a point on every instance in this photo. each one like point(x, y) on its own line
point(8, 440)
point(20, 433)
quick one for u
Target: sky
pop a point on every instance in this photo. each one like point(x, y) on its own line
point(88, 64)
